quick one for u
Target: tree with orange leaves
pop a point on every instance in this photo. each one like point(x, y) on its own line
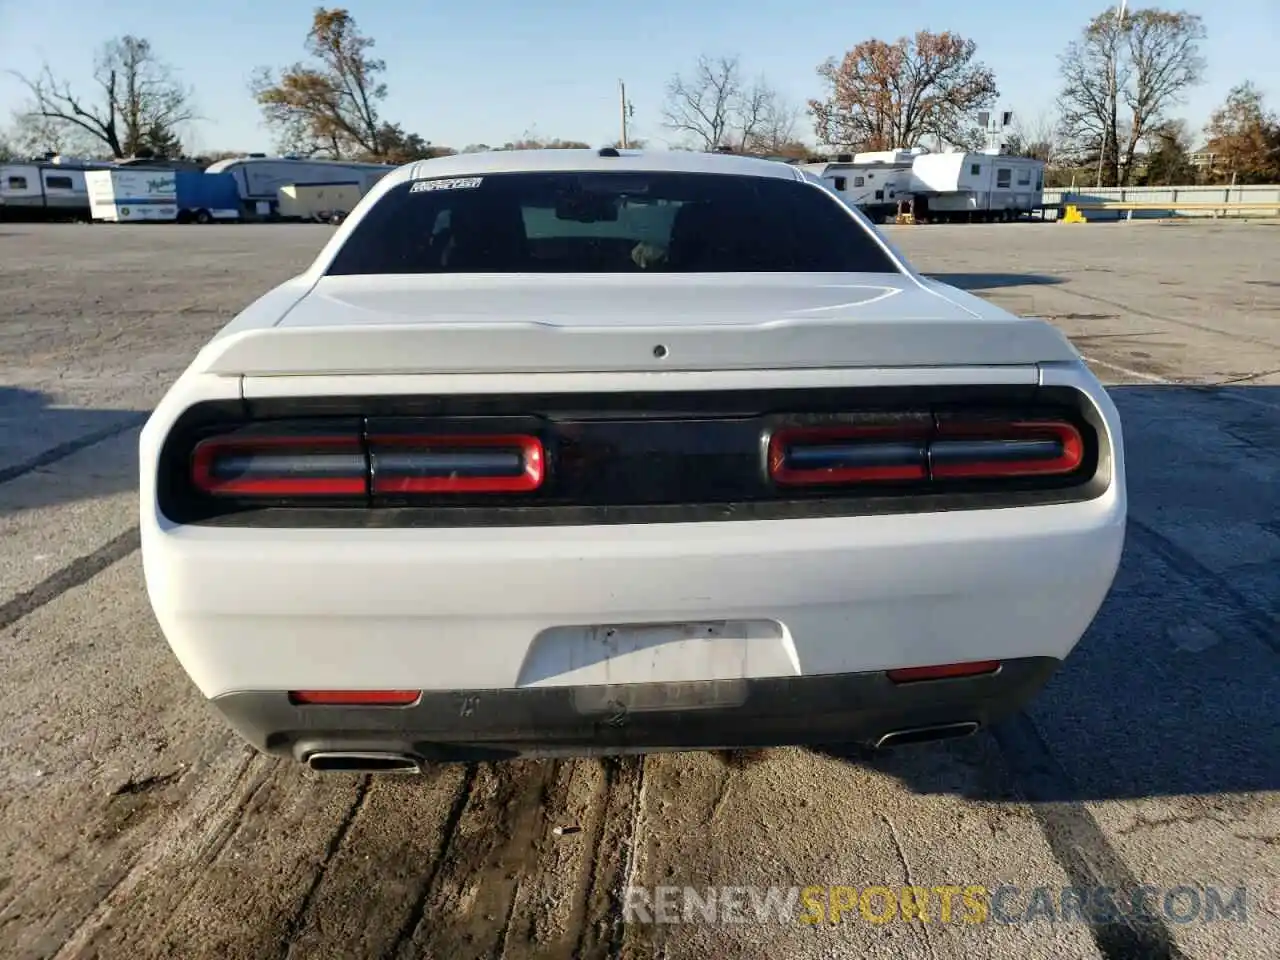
point(1244, 137)
point(885, 96)
point(330, 107)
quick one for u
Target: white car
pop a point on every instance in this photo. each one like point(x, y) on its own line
point(585, 452)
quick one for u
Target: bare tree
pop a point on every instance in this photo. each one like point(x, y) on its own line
point(1168, 159)
point(884, 96)
point(756, 106)
point(715, 106)
point(1036, 138)
point(37, 136)
point(1120, 79)
point(775, 133)
point(138, 99)
point(700, 105)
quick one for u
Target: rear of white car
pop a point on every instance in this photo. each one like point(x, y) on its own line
point(612, 467)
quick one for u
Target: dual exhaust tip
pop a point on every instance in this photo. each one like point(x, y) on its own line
point(344, 761)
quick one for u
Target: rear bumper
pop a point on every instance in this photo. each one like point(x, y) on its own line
point(501, 724)
point(495, 608)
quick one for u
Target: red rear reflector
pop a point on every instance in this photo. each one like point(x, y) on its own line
point(944, 671)
point(355, 698)
point(466, 463)
point(279, 466)
point(819, 455)
point(1015, 449)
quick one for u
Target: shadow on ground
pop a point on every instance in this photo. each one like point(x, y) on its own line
point(993, 281)
point(37, 442)
point(1173, 690)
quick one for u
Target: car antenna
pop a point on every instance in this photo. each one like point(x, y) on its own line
point(609, 152)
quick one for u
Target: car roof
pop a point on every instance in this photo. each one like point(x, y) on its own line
point(552, 161)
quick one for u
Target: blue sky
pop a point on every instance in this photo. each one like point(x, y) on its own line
point(490, 70)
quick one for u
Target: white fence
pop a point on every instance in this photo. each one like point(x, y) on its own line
point(1257, 193)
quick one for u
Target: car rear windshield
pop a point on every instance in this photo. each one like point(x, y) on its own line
point(615, 222)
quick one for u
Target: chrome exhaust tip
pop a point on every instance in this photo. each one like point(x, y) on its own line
point(945, 731)
point(355, 762)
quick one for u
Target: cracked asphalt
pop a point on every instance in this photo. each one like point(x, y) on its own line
point(132, 824)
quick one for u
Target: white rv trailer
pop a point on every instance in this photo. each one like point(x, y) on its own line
point(260, 177)
point(874, 186)
point(46, 189)
point(976, 186)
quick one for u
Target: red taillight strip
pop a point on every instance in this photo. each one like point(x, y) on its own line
point(1005, 449)
point(295, 455)
point(355, 698)
point(945, 671)
point(867, 453)
point(438, 476)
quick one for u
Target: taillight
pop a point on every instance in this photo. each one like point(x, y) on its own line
point(334, 461)
point(279, 466)
point(355, 698)
point(944, 671)
point(947, 449)
point(1017, 449)
point(806, 456)
point(465, 463)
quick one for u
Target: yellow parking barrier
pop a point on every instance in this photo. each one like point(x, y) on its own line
point(1073, 215)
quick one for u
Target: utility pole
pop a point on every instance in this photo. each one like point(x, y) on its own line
point(1113, 105)
point(628, 111)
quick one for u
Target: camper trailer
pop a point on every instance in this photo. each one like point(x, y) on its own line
point(983, 186)
point(874, 186)
point(259, 178)
point(50, 189)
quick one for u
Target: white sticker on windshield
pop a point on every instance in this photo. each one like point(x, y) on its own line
point(456, 183)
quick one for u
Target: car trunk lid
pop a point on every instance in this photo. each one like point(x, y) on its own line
point(610, 323)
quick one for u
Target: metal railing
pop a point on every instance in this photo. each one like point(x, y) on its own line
point(1188, 201)
point(1072, 208)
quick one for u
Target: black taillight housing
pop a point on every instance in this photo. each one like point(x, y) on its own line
point(926, 450)
point(588, 459)
point(335, 461)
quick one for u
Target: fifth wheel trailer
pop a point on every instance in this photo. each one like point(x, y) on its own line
point(976, 186)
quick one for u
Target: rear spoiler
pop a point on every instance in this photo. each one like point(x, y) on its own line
point(441, 348)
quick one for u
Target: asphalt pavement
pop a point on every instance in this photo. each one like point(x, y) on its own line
point(133, 824)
